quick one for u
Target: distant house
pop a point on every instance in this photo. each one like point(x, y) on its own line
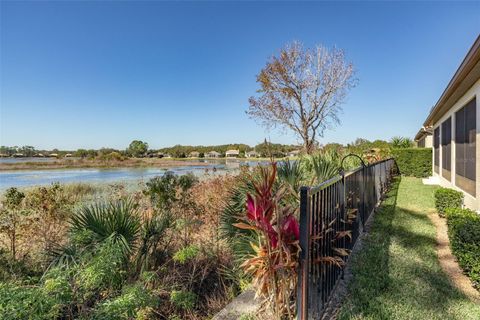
point(213, 154)
point(194, 154)
point(293, 153)
point(68, 155)
point(18, 155)
point(53, 155)
point(424, 138)
point(252, 154)
point(454, 122)
point(232, 153)
point(39, 155)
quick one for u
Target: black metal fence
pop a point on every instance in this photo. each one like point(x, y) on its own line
point(332, 216)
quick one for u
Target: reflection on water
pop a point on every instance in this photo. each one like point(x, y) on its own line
point(44, 177)
point(28, 159)
point(26, 178)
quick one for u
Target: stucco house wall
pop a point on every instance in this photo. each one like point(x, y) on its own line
point(471, 202)
point(462, 89)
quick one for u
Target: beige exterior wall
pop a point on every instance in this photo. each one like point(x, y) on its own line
point(427, 139)
point(470, 201)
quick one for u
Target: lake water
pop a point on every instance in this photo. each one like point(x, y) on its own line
point(29, 159)
point(28, 178)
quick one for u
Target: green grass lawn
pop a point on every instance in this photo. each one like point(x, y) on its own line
point(397, 274)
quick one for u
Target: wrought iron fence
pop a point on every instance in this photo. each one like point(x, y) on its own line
point(332, 216)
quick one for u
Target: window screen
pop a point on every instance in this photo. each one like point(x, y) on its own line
point(465, 146)
point(446, 148)
point(421, 143)
point(436, 146)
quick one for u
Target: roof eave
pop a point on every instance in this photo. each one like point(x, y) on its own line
point(469, 63)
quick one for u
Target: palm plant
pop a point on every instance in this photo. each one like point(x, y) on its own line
point(151, 234)
point(116, 222)
point(291, 172)
point(401, 142)
point(63, 256)
point(324, 165)
point(238, 239)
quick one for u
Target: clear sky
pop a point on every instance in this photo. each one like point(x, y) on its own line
point(94, 74)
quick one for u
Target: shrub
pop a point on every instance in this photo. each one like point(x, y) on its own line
point(414, 162)
point(323, 165)
point(401, 142)
point(17, 302)
point(184, 300)
point(162, 191)
point(115, 221)
point(17, 269)
point(112, 156)
point(464, 234)
point(105, 270)
point(188, 253)
point(447, 198)
point(291, 172)
point(13, 217)
point(187, 181)
point(152, 234)
point(56, 284)
point(273, 266)
point(133, 303)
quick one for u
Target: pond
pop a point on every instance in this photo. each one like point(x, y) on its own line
point(28, 178)
point(28, 159)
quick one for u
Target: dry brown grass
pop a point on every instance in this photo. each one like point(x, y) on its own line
point(99, 163)
point(204, 275)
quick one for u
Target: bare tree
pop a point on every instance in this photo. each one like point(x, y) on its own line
point(303, 90)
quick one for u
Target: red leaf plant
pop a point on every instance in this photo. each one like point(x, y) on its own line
point(274, 265)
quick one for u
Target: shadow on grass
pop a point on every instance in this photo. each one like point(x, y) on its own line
point(397, 275)
point(370, 265)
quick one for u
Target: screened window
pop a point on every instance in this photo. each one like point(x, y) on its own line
point(447, 148)
point(436, 149)
point(465, 147)
point(421, 143)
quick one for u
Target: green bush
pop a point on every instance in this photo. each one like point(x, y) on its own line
point(414, 162)
point(464, 234)
point(184, 300)
point(447, 198)
point(27, 302)
point(103, 271)
point(131, 304)
point(186, 254)
point(56, 285)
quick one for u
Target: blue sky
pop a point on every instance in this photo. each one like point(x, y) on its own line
point(94, 74)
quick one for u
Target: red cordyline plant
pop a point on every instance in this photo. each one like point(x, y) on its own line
point(274, 267)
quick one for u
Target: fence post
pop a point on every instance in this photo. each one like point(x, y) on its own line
point(303, 276)
point(343, 211)
point(374, 177)
point(364, 214)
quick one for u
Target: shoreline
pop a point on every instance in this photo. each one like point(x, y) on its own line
point(119, 164)
point(99, 164)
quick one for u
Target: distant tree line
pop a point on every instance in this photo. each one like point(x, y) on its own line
point(141, 149)
point(263, 149)
point(27, 151)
